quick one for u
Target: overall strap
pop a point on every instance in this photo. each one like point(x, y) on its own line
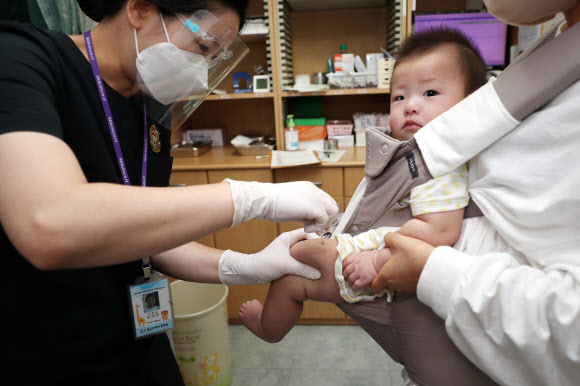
point(541, 72)
point(393, 168)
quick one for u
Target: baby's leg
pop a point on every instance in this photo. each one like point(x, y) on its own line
point(283, 305)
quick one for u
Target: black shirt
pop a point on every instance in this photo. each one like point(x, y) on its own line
point(74, 326)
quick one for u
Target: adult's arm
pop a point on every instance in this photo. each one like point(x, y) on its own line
point(57, 220)
point(518, 323)
point(199, 263)
point(495, 109)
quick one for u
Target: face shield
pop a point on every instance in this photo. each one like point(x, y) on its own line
point(177, 75)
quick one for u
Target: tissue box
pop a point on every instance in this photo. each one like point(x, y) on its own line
point(214, 135)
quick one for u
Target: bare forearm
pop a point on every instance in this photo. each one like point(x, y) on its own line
point(191, 262)
point(57, 220)
point(105, 224)
point(435, 228)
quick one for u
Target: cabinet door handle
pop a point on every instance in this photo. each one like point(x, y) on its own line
point(317, 183)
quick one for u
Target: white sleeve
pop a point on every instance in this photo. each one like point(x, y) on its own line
point(520, 324)
point(463, 131)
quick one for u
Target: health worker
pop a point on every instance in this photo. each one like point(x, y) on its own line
point(85, 207)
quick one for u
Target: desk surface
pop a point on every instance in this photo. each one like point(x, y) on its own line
point(226, 157)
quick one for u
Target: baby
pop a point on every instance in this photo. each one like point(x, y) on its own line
point(435, 70)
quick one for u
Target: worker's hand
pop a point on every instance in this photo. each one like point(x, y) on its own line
point(311, 236)
point(290, 201)
point(408, 258)
point(269, 264)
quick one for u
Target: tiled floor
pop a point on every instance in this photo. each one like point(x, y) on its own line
point(312, 356)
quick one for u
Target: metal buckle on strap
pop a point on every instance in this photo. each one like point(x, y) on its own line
point(146, 268)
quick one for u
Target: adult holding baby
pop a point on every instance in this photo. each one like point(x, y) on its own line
point(515, 313)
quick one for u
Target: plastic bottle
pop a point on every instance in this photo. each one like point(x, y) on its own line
point(338, 58)
point(291, 135)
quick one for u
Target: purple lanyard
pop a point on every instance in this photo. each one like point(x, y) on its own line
point(101, 86)
point(111, 123)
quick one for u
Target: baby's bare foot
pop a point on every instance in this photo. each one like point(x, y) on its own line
point(250, 314)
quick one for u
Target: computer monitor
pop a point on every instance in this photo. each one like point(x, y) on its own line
point(487, 32)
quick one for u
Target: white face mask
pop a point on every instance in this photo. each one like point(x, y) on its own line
point(527, 12)
point(169, 74)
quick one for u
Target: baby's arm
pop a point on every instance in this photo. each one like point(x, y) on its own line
point(437, 208)
point(441, 228)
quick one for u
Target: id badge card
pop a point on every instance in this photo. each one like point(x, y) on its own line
point(151, 305)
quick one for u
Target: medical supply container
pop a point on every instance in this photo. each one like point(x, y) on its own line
point(291, 135)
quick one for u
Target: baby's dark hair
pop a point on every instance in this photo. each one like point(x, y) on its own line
point(98, 10)
point(424, 42)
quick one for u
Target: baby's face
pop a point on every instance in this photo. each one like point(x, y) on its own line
point(422, 88)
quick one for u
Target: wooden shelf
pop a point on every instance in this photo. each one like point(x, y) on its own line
point(253, 95)
point(344, 91)
point(254, 38)
point(226, 157)
point(317, 31)
point(247, 95)
point(309, 5)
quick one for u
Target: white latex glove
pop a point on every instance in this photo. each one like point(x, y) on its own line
point(290, 201)
point(271, 263)
point(310, 236)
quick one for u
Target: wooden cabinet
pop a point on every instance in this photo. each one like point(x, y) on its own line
point(332, 182)
point(254, 235)
point(317, 33)
point(352, 178)
point(249, 237)
point(316, 30)
point(328, 179)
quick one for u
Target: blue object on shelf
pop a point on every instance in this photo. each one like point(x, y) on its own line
point(242, 75)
